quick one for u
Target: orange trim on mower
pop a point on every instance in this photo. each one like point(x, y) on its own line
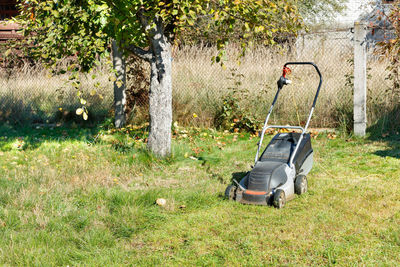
point(251, 192)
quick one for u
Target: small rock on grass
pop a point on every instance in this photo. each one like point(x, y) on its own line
point(161, 201)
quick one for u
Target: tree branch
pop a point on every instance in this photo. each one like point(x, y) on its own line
point(143, 19)
point(141, 53)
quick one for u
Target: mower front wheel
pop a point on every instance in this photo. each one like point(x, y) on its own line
point(300, 185)
point(230, 192)
point(279, 199)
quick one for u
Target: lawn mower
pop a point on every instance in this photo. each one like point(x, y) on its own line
point(281, 170)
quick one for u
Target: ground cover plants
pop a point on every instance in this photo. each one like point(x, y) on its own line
point(86, 197)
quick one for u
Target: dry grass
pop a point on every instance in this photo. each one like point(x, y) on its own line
point(199, 87)
point(34, 95)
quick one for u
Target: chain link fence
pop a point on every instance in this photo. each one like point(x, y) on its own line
point(32, 95)
point(206, 94)
point(202, 88)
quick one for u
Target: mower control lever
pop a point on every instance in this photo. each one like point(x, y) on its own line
point(283, 81)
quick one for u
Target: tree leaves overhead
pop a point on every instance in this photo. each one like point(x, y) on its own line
point(58, 29)
point(82, 29)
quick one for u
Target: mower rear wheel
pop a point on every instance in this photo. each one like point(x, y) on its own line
point(230, 192)
point(300, 185)
point(279, 199)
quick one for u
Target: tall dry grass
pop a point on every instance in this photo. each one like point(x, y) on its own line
point(32, 94)
point(199, 87)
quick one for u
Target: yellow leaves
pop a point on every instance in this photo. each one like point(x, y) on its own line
point(119, 84)
point(286, 8)
point(83, 112)
point(79, 111)
point(259, 29)
point(331, 136)
point(247, 26)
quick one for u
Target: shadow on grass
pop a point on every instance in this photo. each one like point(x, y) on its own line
point(387, 129)
point(32, 136)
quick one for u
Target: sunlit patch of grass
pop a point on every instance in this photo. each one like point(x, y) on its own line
point(72, 197)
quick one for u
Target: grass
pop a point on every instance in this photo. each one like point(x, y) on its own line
point(86, 197)
point(31, 95)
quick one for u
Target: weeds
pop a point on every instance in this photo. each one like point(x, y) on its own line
point(235, 114)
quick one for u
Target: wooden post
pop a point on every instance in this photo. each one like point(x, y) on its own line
point(360, 78)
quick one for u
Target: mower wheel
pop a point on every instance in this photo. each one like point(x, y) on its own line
point(300, 185)
point(279, 199)
point(230, 192)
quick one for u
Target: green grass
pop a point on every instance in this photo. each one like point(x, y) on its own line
point(86, 197)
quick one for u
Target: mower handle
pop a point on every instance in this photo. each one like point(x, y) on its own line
point(281, 82)
point(319, 74)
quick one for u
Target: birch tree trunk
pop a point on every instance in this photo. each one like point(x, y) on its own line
point(160, 96)
point(159, 141)
point(119, 85)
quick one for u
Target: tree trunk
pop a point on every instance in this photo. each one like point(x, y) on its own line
point(160, 96)
point(119, 86)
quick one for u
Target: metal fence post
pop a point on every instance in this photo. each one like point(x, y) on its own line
point(360, 78)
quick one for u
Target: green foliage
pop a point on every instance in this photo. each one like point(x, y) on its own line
point(58, 29)
point(233, 115)
point(82, 29)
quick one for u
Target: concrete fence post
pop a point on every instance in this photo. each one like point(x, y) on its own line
point(360, 78)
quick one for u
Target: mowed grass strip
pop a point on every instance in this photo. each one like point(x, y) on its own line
point(87, 197)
